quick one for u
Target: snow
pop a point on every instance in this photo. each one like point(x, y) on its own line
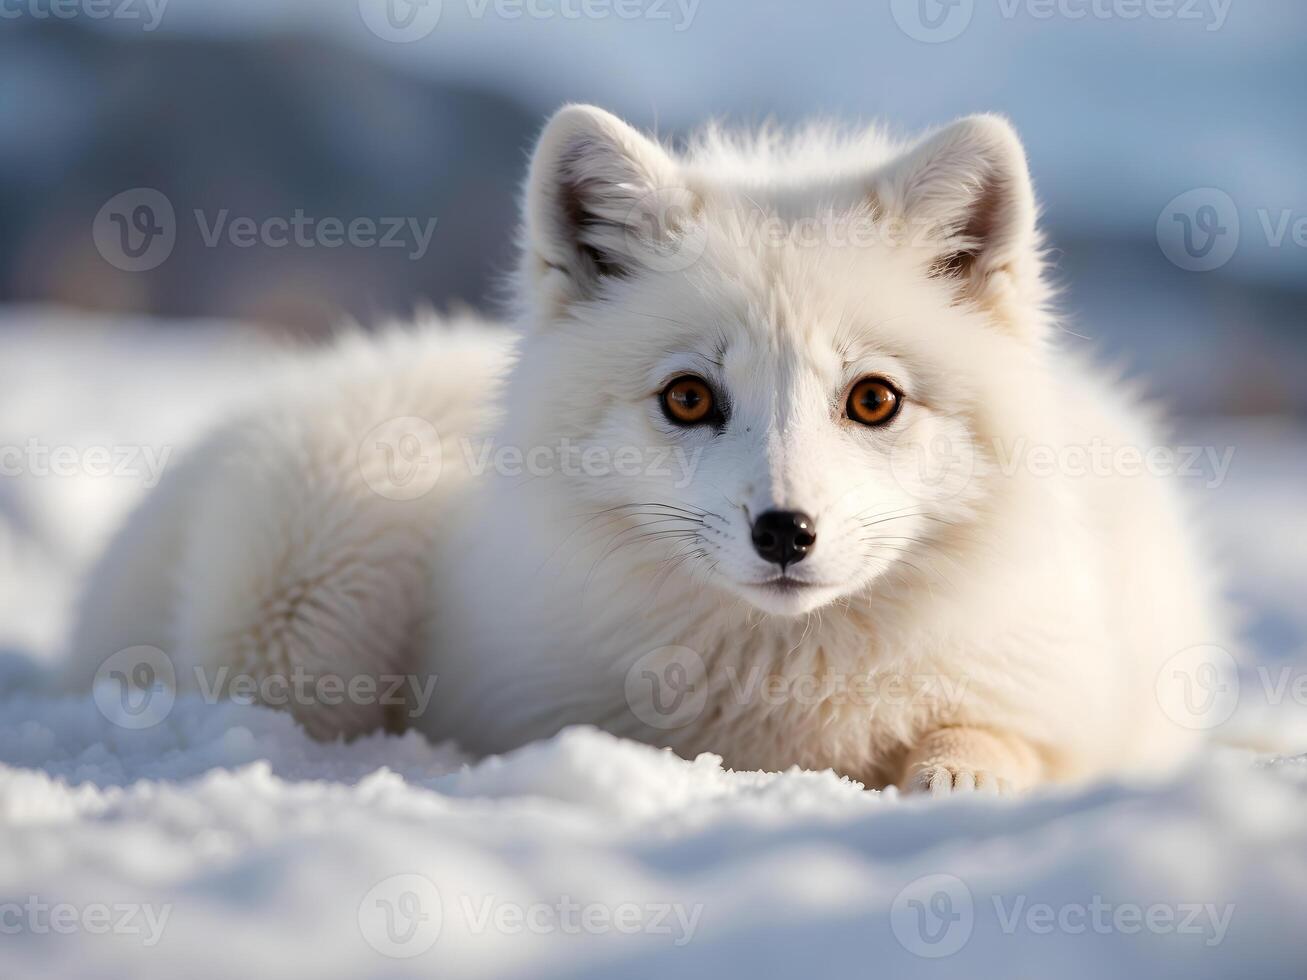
point(224, 842)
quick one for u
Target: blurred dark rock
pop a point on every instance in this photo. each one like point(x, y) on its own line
point(258, 128)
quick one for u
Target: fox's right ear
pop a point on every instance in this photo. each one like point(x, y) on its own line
point(594, 202)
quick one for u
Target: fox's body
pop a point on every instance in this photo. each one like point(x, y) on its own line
point(956, 617)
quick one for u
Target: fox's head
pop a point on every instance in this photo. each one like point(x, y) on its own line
point(784, 357)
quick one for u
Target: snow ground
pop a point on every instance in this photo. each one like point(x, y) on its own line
point(223, 842)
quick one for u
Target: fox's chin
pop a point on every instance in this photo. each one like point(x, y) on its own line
point(784, 596)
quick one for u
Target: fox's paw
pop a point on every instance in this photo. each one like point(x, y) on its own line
point(969, 760)
point(946, 780)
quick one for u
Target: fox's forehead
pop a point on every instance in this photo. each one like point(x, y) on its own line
point(766, 306)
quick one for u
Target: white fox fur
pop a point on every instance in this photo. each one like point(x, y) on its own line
point(1008, 624)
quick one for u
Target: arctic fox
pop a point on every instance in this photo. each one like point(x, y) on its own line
point(781, 461)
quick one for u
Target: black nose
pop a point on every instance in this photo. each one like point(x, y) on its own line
point(784, 536)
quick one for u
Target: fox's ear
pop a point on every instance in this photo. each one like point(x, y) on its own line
point(964, 193)
point(595, 201)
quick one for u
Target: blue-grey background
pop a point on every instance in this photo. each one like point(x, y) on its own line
point(262, 107)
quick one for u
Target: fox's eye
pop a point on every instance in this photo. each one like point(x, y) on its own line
point(689, 401)
point(873, 401)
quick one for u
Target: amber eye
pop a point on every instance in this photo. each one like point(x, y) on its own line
point(873, 401)
point(689, 401)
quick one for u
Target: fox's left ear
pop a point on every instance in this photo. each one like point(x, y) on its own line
point(595, 207)
point(964, 194)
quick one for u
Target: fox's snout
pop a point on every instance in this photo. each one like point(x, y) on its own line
point(784, 537)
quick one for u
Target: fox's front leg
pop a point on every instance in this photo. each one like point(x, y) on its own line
point(961, 759)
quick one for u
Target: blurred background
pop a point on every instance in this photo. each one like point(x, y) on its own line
point(142, 140)
point(385, 108)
